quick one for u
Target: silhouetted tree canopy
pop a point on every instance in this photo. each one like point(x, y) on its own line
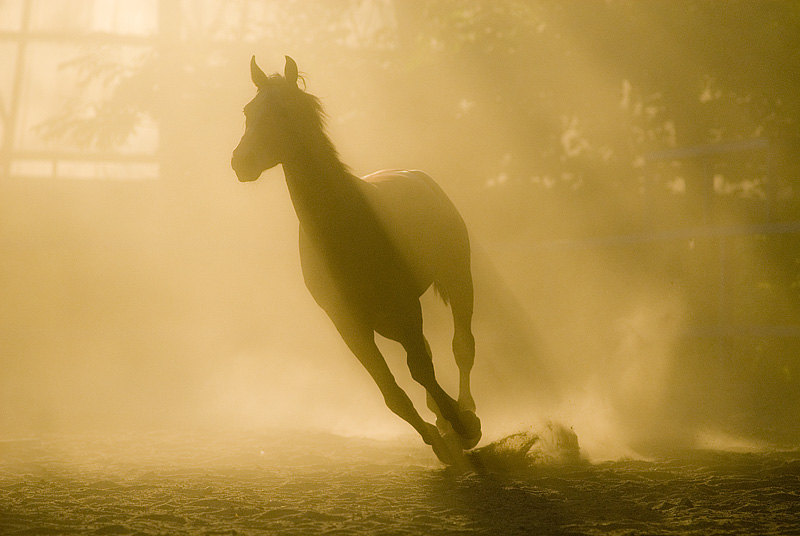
point(546, 94)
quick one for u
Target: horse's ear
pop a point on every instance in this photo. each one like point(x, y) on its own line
point(290, 71)
point(258, 76)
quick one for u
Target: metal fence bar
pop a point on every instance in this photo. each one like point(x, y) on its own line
point(703, 231)
point(764, 331)
point(698, 151)
point(77, 37)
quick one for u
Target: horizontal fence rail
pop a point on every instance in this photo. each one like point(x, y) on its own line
point(703, 231)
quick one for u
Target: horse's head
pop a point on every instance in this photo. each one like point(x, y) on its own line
point(269, 137)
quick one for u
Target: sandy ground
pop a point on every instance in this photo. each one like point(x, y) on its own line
point(318, 484)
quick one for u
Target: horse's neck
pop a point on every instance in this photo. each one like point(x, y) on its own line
point(323, 191)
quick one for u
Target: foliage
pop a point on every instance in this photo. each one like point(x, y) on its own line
point(90, 120)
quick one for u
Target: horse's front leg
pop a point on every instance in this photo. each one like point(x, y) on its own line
point(361, 341)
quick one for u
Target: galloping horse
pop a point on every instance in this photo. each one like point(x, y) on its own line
point(369, 248)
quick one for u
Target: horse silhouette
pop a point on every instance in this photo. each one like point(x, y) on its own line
point(369, 248)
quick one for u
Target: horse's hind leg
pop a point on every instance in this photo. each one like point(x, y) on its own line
point(420, 364)
point(461, 304)
point(361, 342)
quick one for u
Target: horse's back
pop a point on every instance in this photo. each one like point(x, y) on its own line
point(422, 221)
point(413, 196)
point(410, 202)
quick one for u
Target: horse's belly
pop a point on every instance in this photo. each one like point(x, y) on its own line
point(370, 288)
point(372, 264)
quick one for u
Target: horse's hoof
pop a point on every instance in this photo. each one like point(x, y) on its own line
point(470, 442)
point(444, 426)
point(440, 447)
point(443, 452)
point(472, 429)
point(460, 462)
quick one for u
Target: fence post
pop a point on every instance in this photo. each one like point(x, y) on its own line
point(722, 301)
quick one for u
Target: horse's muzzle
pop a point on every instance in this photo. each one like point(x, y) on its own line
point(243, 172)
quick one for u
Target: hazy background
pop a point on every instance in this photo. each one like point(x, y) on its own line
point(628, 171)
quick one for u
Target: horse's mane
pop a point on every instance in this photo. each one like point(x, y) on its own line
point(308, 114)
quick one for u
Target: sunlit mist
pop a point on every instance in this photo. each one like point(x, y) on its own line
point(219, 220)
point(627, 172)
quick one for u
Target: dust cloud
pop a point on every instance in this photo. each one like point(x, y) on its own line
point(629, 195)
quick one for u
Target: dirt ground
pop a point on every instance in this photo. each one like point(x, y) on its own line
point(303, 484)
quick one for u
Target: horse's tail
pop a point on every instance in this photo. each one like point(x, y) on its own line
point(441, 291)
